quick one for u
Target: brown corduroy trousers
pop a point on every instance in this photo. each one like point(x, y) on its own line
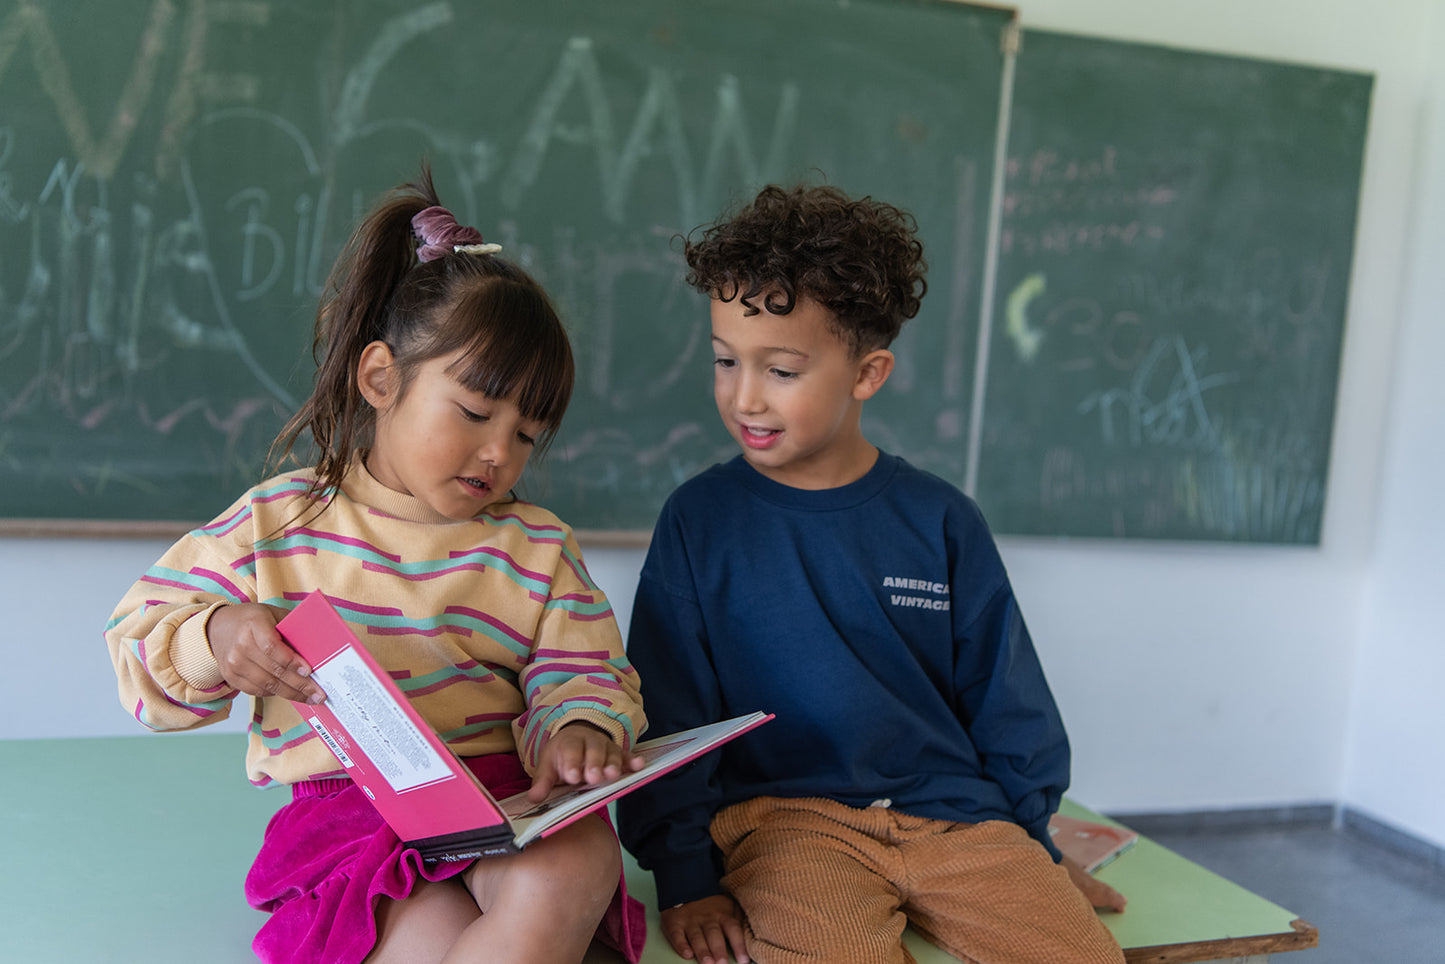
point(823, 883)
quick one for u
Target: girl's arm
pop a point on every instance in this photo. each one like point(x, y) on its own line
point(189, 636)
point(167, 675)
point(191, 633)
point(578, 672)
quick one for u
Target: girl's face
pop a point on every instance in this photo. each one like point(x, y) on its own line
point(455, 450)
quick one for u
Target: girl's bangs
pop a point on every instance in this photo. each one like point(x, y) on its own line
point(517, 350)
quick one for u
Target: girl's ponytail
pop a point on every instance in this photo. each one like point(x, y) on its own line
point(352, 314)
point(448, 296)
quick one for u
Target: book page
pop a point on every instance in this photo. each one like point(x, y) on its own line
point(376, 724)
point(663, 754)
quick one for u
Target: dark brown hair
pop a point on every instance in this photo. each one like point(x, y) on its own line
point(859, 259)
point(513, 344)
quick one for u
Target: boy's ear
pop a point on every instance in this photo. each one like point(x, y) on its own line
point(376, 376)
point(873, 371)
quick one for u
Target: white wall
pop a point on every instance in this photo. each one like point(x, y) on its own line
point(1318, 675)
point(1394, 769)
point(1190, 676)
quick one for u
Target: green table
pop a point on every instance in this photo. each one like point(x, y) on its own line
point(135, 848)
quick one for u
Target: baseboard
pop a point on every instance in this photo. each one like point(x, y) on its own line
point(1249, 818)
point(1428, 855)
point(1394, 839)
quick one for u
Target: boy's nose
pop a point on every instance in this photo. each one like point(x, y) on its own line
point(749, 395)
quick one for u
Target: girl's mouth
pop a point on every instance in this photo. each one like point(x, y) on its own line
point(479, 487)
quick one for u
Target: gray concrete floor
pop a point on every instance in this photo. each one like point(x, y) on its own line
point(1372, 905)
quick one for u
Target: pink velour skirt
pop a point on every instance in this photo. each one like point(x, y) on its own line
point(328, 858)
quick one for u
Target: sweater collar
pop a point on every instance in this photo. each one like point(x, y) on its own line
point(817, 500)
point(362, 487)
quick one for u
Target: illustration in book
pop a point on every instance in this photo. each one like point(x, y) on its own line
point(1091, 844)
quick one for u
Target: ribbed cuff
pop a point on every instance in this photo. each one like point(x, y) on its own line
point(602, 721)
point(191, 652)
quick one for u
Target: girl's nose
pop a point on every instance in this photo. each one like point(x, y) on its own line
point(493, 449)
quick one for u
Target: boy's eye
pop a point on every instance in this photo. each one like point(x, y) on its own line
point(784, 374)
point(724, 362)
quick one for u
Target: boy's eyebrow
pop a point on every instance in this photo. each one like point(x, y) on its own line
point(771, 349)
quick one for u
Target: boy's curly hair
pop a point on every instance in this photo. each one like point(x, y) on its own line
point(859, 259)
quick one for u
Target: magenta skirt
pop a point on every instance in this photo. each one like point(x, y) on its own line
point(328, 858)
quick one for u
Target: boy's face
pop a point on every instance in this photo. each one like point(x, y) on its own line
point(791, 393)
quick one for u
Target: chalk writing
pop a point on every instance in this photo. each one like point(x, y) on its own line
point(1177, 414)
point(1026, 339)
point(1055, 204)
point(617, 166)
point(174, 195)
point(150, 260)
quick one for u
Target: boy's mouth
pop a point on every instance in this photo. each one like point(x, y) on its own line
point(760, 438)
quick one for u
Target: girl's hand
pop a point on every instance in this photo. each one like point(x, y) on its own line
point(579, 753)
point(254, 658)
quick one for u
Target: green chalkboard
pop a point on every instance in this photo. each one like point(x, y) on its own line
point(176, 177)
point(1163, 256)
point(1175, 256)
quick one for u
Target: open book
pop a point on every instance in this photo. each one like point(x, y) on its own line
point(419, 786)
point(1088, 842)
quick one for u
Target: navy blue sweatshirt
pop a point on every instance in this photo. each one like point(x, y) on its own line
point(875, 620)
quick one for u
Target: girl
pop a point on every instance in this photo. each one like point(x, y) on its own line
point(442, 368)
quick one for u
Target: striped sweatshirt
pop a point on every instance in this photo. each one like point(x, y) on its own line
point(491, 626)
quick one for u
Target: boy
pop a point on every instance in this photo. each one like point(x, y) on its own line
point(917, 753)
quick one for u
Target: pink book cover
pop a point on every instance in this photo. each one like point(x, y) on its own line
point(417, 783)
point(1089, 843)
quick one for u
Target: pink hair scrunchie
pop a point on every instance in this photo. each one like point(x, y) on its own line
point(440, 233)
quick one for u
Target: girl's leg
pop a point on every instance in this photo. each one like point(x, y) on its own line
point(423, 927)
point(542, 906)
point(537, 907)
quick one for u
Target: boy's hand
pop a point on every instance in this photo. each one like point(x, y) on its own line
point(705, 930)
point(579, 753)
point(254, 658)
point(1101, 896)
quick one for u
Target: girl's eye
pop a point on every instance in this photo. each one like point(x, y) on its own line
point(526, 439)
point(784, 374)
point(724, 362)
point(472, 416)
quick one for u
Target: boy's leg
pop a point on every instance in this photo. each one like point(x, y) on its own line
point(990, 893)
point(814, 887)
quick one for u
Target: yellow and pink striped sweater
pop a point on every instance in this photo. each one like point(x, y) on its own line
point(493, 626)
